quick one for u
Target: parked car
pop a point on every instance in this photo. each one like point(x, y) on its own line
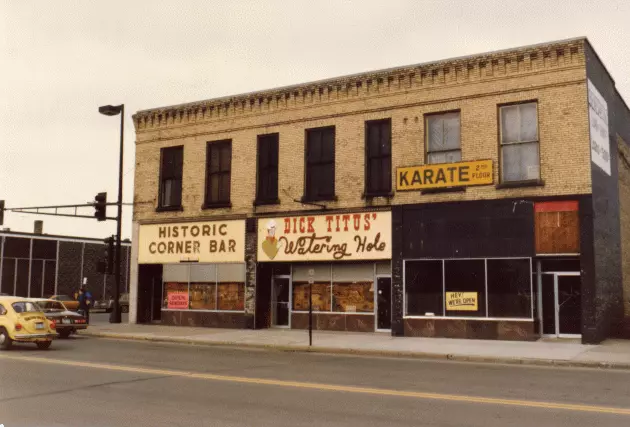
point(70, 303)
point(66, 321)
point(108, 304)
point(22, 320)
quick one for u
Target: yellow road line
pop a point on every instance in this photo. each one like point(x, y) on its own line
point(327, 387)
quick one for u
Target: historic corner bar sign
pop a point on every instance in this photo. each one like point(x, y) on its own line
point(461, 174)
point(210, 241)
point(333, 237)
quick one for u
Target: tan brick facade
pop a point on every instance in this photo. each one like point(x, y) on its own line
point(553, 75)
point(624, 217)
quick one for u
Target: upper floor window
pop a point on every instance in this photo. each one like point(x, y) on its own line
point(520, 159)
point(267, 176)
point(320, 164)
point(171, 168)
point(378, 157)
point(443, 138)
point(218, 170)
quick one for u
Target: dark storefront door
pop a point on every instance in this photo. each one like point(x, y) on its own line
point(548, 296)
point(280, 301)
point(561, 304)
point(569, 305)
point(384, 303)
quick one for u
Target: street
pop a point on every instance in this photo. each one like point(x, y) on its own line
point(105, 382)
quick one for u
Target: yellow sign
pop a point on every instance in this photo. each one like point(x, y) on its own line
point(210, 241)
point(461, 301)
point(334, 237)
point(462, 174)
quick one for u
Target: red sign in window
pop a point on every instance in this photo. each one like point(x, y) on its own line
point(178, 300)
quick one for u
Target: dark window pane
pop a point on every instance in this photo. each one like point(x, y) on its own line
point(320, 163)
point(49, 278)
point(36, 278)
point(22, 278)
point(8, 275)
point(423, 288)
point(378, 146)
point(219, 163)
point(267, 167)
point(44, 249)
point(171, 176)
point(17, 247)
point(466, 276)
point(509, 288)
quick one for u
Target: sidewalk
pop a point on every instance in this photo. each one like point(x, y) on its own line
point(610, 354)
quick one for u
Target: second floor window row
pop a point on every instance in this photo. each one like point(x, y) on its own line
point(519, 158)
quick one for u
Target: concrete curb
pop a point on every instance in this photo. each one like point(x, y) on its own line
point(365, 352)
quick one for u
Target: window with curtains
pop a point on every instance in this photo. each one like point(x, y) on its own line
point(520, 157)
point(267, 170)
point(378, 157)
point(218, 169)
point(443, 138)
point(320, 164)
point(171, 169)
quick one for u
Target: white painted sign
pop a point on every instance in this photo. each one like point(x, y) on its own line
point(598, 119)
point(210, 241)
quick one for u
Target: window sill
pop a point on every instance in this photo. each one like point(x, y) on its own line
point(443, 190)
point(521, 184)
point(217, 205)
point(266, 202)
point(304, 199)
point(368, 195)
point(169, 209)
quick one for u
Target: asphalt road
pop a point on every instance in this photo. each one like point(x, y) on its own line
point(101, 382)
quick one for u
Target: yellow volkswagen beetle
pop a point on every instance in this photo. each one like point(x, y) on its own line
point(23, 321)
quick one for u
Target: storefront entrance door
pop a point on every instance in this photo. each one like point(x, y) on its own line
point(384, 303)
point(280, 292)
point(561, 304)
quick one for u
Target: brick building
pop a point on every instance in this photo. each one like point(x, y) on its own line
point(476, 197)
point(41, 265)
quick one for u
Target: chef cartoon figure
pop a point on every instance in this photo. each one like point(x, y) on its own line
point(271, 245)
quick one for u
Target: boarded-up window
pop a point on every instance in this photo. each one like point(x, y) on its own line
point(557, 228)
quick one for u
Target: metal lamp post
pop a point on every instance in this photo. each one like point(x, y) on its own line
point(113, 110)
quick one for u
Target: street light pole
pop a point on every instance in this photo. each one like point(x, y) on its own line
point(110, 110)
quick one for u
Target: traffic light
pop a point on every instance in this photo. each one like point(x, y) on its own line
point(1, 212)
point(106, 265)
point(100, 206)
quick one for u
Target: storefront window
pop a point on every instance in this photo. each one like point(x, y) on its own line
point(465, 284)
point(204, 287)
point(231, 287)
point(509, 288)
point(458, 288)
point(321, 298)
point(353, 288)
point(175, 279)
point(424, 288)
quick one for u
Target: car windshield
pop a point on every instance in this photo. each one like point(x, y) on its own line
point(51, 306)
point(63, 298)
point(25, 307)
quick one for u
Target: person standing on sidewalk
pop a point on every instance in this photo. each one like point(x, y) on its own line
point(85, 301)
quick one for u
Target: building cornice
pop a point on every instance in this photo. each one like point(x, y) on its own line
point(475, 68)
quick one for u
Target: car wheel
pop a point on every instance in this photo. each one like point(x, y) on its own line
point(44, 345)
point(124, 309)
point(64, 334)
point(5, 340)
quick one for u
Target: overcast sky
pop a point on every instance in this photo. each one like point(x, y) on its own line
point(61, 59)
